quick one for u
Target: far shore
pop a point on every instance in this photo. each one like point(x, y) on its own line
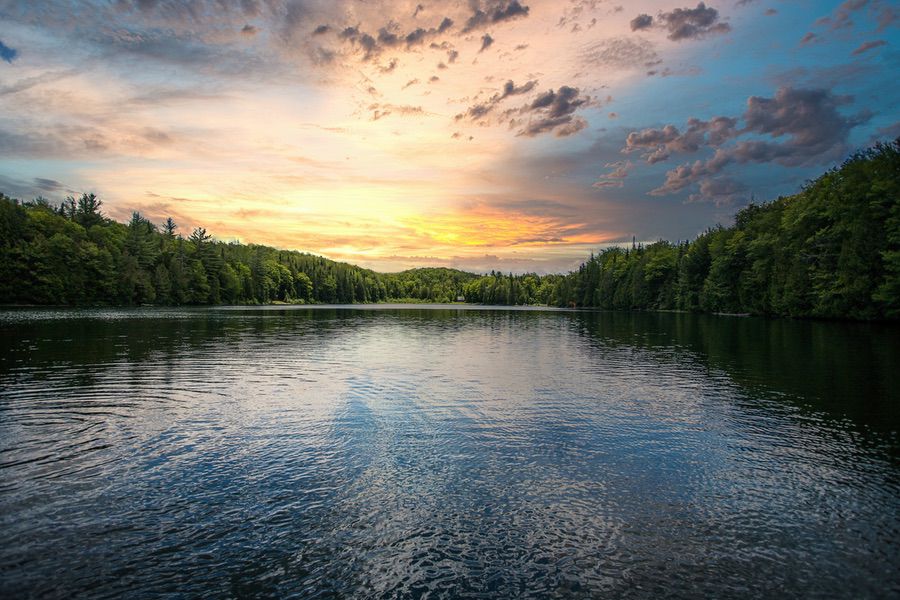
point(405, 303)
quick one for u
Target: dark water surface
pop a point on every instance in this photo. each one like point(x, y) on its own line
point(443, 452)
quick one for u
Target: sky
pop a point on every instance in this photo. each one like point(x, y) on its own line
point(517, 135)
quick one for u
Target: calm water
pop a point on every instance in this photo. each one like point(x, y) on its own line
point(430, 452)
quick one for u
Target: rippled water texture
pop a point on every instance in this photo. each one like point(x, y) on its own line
point(446, 453)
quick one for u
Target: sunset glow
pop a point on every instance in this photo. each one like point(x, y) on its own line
point(483, 134)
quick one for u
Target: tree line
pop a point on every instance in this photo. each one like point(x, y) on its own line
point(832, 250)
point(72, 254)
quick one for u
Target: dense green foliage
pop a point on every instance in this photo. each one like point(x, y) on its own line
point(73, 255)
point(833, 250)
point(498, 288)
point(428, 284)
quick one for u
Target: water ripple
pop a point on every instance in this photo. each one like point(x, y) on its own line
point(440, 453)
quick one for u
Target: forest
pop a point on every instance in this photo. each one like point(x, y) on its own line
point(830, 251)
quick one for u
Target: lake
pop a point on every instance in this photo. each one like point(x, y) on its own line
point(427, 451)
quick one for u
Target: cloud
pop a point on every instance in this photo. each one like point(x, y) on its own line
point(197, 10)
point(379, 111)
point(659, 144)
point(693, 23)
point(616, 177)
point(494, 12)
point(156, 136)
point(405, 145)
point(866, 46)
point(554, 111)
point(842, 16)
point(249, 30)
point(563, 126)
point(608, 183)
point(511, 89)
point(684, 23)
point(388, 36)
point(365, 41)
point(486, 42)
point(668, 72)
point(23, 189)
point(887, 16)
point(886, 133)
point(483, 263)
point(685, 175)
point(49, 185)
point(808, 38)
point(416, 37)
point(205, 35)
point(36, 80)
point(621, 53)
point(479, 111)
point(550, 111)
point(167, 47)
point(171, 96)
point(816, 133)
point(642, 21)
point(722, 191)
point(809, 117)
point(557, 104)
point(16, 188)
point(8, 54)
point(60, 142)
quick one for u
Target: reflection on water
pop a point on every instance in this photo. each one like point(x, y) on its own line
point(432, 452)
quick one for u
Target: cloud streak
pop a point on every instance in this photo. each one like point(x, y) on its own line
point(866, 46)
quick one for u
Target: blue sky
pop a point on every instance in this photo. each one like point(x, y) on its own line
point(509, 134)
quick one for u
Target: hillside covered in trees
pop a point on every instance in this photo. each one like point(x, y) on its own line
point(832, 250)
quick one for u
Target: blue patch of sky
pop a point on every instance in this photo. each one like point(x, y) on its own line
point(761, 54)
point(8, 54)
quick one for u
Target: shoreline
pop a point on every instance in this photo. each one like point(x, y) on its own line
point(411, 305)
